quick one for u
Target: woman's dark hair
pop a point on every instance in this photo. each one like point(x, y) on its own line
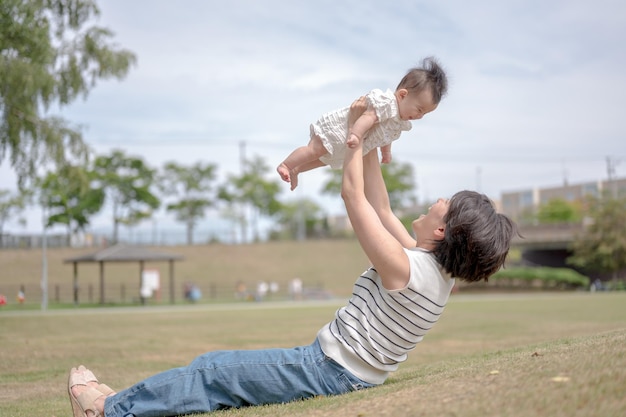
point(476, 239)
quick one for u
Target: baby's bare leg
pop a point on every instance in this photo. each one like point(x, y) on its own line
point(302, 168)
point(299, 158)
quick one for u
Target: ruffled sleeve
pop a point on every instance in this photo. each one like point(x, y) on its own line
point(384, 103)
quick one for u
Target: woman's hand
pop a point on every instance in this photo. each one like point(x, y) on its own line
point(357, 108)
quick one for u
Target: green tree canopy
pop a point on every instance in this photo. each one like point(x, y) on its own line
point(50, 54)
point(69, 197)
point(558, 210)
point(398, 177)
point(602, 247)
point(191, 187)
point(128, 183)
point(302, 218)
point(251, 189)
point(11, 206)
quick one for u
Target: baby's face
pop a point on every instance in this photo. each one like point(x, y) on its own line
point(413, 106)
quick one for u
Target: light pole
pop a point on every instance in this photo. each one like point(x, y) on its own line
point(44, 261)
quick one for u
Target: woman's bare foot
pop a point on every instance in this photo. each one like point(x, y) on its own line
point(91, 381)
point(87, 388)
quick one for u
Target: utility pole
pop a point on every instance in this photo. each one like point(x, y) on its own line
point(242, 156)
point(243, 208)
point(610, 171)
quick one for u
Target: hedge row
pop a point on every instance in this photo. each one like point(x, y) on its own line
point(542, 277)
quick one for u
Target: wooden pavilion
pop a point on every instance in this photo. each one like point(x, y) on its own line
point(124, 253)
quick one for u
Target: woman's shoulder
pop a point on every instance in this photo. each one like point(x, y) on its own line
point(427, 276)
point(424, 261)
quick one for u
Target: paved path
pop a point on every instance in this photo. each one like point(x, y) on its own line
point(335, 302)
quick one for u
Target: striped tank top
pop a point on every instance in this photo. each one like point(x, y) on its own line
point(374, 332)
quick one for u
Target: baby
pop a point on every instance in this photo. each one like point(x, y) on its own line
point(388, 115)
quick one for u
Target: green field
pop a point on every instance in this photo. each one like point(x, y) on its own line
point(542, 354)
point(497, 355)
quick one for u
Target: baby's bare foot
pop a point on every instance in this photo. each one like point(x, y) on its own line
point(294, 181)
point(283, 171)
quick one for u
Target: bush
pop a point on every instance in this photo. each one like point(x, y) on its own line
point(542, 277)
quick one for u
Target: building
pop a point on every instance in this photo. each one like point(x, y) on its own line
point(520, 205)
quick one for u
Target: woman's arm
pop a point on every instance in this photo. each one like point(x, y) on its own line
point(384, 251)
point(376, 193)
point(363, 123)
point(375, 188)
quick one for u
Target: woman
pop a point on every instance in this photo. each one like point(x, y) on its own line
point(393, 305)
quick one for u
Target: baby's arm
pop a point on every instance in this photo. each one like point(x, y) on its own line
point(361, 126)
point(385, 152)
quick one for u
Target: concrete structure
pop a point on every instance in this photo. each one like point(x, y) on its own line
point(522, 205)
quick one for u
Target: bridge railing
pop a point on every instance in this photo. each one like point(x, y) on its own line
point(559, 235)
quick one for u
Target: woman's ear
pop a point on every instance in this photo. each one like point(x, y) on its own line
point(440, 232)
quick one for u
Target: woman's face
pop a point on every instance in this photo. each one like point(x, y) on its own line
point(425, 225)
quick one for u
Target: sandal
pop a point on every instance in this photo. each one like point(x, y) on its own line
point(88, 376)
point(85, 400)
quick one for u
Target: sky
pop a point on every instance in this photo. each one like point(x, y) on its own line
point(536, 95)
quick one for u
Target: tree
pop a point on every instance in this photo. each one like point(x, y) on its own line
point(50, 55)
point(127, 181)
point(398, 177)
point(301, 219)
point(602, 246)
point(191, 185)
point(251, 189)
point(69, 197)
point(11, 206)
point(558, 210)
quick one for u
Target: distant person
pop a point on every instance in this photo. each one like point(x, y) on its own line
point(295, 289)
point(261, 290)
point(21, 295)
point(388, 115)
point(192, 292)
point(394, 304)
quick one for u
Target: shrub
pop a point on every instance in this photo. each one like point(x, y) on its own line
point(542, 276)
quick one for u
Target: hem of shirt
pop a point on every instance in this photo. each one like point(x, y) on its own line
point(344, 357)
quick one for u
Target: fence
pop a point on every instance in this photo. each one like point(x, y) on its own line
point(131, 237)
point(129, 293)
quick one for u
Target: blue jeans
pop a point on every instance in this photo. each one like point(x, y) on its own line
point(225, 379)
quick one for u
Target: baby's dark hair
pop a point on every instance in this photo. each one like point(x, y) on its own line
point(429, 75)
point(476, 238)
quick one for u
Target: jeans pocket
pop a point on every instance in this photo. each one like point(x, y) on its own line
point(348, 384)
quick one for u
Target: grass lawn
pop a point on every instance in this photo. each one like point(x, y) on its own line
point(552, 355)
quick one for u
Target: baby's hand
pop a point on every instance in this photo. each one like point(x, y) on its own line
point(385, 153)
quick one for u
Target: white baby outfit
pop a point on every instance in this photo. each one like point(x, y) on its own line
point(332, 128)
